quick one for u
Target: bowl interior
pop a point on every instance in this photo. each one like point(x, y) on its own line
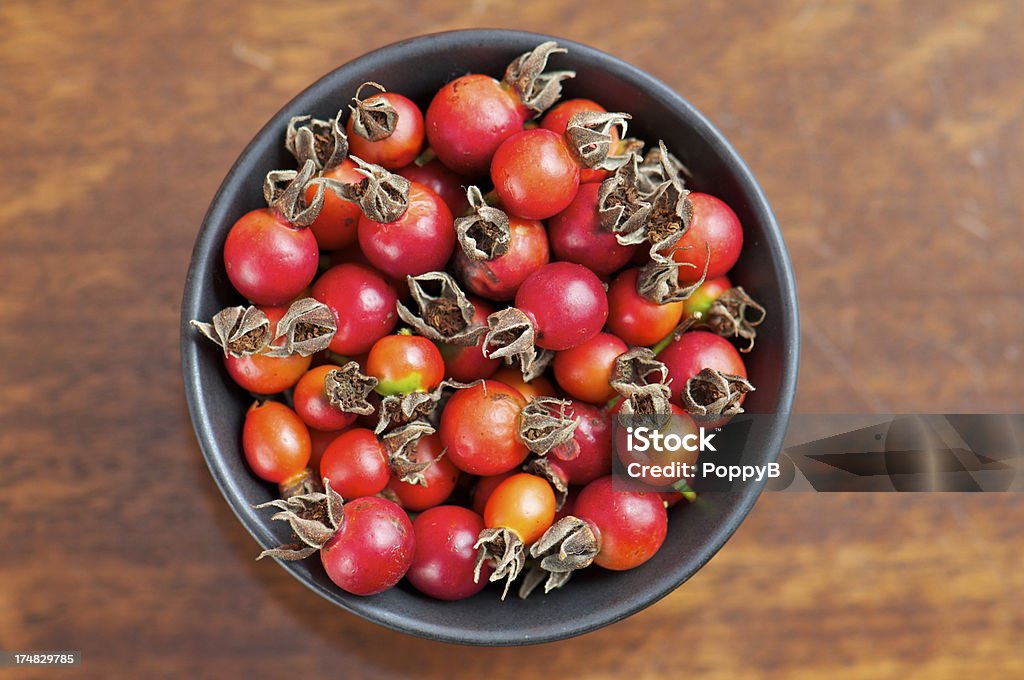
point(594, 598)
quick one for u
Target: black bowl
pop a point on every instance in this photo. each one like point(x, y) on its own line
point(594, 598)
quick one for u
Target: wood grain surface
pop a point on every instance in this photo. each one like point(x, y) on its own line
point(889, 138)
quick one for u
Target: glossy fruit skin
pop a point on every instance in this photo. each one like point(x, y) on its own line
point(419, 241)
point(312, 404)
point(585, 370)
point(535, 174)
point(372, 549)
point(566, 303)
point(631, 526)
point(335, 226)
point(363, 302)
point(593, 435)
point(479, 427)
point(634, 318)
point(267, 260)
point(702, 298)
point(445, 557)
point(469, 118)
point(694, 351)
point(715, 223)
point(524, 503)
point(441, 477)
point(483, 489)
point(513, 377)
point(442, 181)
point(467, 363)
point(681, 424)
point(557, 120)
point(260, 374)
point(577, 236)
point(499, 279)
point(356, 463)
point(275, 442)
point(404, 364)
point(399, 148)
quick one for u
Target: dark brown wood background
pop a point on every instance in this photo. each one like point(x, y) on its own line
point(888, 136)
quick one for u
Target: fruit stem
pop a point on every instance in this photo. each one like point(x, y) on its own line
point(425, 157)
point(683, 488)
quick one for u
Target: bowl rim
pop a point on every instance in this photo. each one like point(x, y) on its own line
point(199, 270)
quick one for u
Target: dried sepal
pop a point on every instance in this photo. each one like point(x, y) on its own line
point(546, 425)
point(322, 141)
point(543, 468)
point(239, 331)
point(639, 366)
point(348, 388)
point(445, 313)
point(590, 137)
point(647, 406)
point(485, 233)
point(621, 208)
point(505, 550)
point(382, 196)
point(659, 166)
point(510, 334)
point(307, 328)
point(670, 216)
point(536, 89)
point(373, 118)
point(399, 409)
point(313, 517)
point(534, 364)
point(285, 191)
point(535, 575)
point(401, 445)
point(711, 394)
point(658, 280)
point(567, 546)
point(734, 313)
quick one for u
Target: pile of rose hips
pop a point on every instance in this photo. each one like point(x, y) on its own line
point(447, 360)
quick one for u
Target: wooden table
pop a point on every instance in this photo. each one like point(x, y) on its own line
point(889, 138)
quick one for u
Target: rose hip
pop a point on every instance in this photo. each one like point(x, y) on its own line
point(585, 370)
point(364, 303)
point(500, 278)
point(634, 318)
point(420, 240)
point(372, 549)
point(268, 260)
point(715, 224)
point(535, 174)
point(577, 236)
point(686, 356)
point(445, 554)
point(566, 303)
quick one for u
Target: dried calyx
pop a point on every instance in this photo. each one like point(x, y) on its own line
point(510, 336)
point(285, 192)
point(546, 426)
point(374, 119)
point(505, 550)
point(590, 137)
point(348, 388)
point(401, 445)
point(711, 394)
point(399, 409)
point(307, 327)
point(643, 383)
point(444, 313)
point(621, 207)
point(735, 314)
point(484, 234)
point(313, 517)
point(543, 468)
point(322, 141)
point(536, 89)
point(659, 166)
point(658, 280)
point(382, 196)
point(240, 331)
point(569, 545)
